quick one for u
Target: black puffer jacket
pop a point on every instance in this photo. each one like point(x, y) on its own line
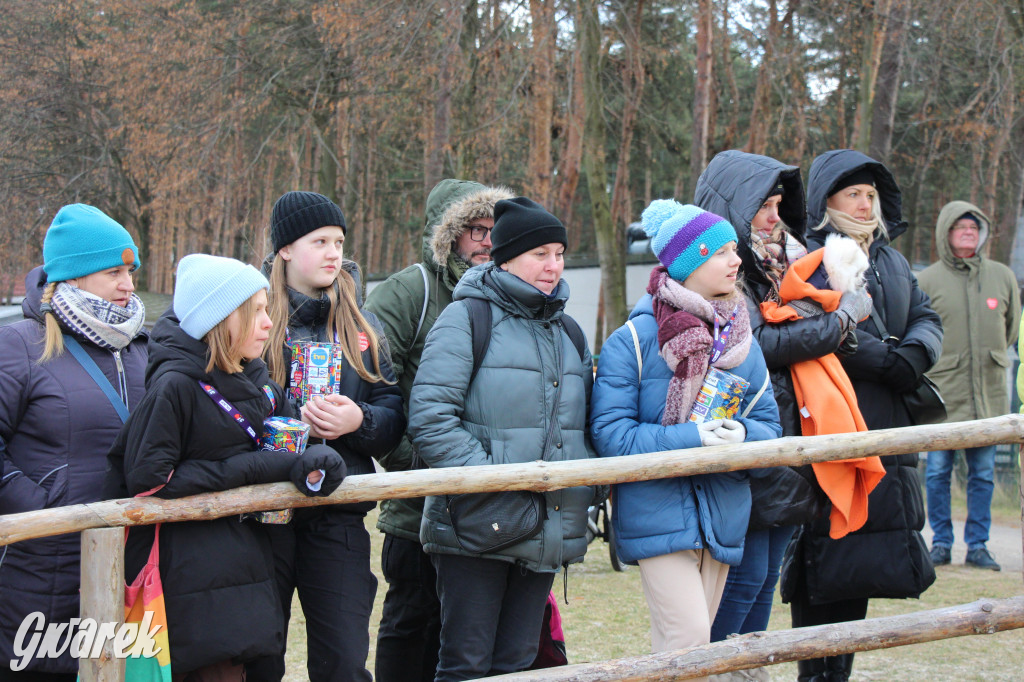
point(217, 575)
point(57, 426)
point(383, 416)
point(734, 185)
point(888, 556)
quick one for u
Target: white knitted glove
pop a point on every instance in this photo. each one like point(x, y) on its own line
point(731, 431)
point(707, 431)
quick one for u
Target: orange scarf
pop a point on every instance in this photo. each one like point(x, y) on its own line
point(827, 404)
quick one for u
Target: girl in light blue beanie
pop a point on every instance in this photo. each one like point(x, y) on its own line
point(198, 429)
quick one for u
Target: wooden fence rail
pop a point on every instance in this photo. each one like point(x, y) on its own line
point(102, 584)
point(532, 476)
point(986, 616)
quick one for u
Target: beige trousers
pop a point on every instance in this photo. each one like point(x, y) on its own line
point(683, 590)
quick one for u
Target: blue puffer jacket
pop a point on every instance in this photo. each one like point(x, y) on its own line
point(659, 517)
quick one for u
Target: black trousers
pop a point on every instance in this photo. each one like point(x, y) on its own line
point(409, 635)
point(492, 612)
point(324, 553)
point(830, 668)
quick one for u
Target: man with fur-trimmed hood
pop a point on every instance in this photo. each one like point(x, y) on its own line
point(979, 302)
point(456, 237)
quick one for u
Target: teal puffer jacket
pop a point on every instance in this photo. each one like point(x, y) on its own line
point(528, 401)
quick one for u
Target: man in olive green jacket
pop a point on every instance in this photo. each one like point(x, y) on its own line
point(456, 237)
point(979, 302)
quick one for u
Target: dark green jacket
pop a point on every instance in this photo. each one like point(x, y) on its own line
point(398, 303)
point(979, 303)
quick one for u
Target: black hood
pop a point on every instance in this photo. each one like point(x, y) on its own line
point(35, 282)
point(735, 184)
point(829, 168)
point(172, 350)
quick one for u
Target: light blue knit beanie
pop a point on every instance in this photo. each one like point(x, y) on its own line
point(684, 237)
point(209, 288)
point(82, 240)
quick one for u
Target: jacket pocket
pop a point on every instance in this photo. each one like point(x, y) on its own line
point(56, 485)
point(1000, 357)
point(947, 362)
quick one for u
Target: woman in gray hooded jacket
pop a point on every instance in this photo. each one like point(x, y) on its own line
point(527, 400)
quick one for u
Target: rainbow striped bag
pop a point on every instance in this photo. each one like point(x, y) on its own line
point(144, 604)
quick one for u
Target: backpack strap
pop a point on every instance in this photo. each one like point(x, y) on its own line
point(426, 300)
point(575, 332)
point(89, 365)
point(479, 329)
point(767, 380)
point(636, 348)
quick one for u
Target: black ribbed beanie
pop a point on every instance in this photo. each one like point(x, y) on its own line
point(296, 214)
point(521, 224)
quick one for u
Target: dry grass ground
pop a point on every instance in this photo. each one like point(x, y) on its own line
point(607, 618)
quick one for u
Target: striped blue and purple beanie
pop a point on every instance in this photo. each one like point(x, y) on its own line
point(683, 237)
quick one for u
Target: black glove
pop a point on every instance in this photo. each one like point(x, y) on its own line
point(319, 457)
point(900, 374)
point(848, 346)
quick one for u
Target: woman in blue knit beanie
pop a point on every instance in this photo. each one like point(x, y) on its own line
point(649, 396)
point(69, 372)
point(197, 430)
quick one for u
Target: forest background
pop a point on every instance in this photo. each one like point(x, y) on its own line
point(186, 119)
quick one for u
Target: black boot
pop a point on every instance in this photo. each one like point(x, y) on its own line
point(812, 670)
point(839, 667)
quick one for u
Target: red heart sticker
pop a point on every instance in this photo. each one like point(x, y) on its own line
point(992, 303)
point(364, 342)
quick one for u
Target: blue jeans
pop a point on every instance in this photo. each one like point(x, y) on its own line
point(747, 601)
point(980, 475)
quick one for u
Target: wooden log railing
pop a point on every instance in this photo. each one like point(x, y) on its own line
point(532, 476)
point(983, 617)
point(99, 541)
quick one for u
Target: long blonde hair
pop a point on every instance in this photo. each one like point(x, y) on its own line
point(53, 338)
point(345, 320)
point(224, 353)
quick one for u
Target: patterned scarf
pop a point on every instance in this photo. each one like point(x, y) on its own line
point(685, 321)
point(775, 250)
point(106, 324)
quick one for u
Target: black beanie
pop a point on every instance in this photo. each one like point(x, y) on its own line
point(521, 224)
point(862, 176)
point(296, 214)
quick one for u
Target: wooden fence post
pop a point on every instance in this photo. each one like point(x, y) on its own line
point(102, 597)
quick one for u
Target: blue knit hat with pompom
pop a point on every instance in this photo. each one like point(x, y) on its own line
point(683, 237)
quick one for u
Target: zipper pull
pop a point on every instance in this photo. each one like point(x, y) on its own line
point(122, 382)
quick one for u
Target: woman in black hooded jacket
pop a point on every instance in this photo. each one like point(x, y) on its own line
point(825, 580)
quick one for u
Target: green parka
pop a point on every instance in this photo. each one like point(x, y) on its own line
point(979, 302)
point(398, 303)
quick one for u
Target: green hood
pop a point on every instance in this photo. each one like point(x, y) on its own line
point(949, 214)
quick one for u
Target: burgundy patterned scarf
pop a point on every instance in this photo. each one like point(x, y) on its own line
point(685, 322)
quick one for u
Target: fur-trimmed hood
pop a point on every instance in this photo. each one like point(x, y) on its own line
point(452, 204)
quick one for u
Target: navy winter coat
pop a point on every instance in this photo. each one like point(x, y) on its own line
point(658, 517)
point(57, 426)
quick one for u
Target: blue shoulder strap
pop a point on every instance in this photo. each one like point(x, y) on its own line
point(89, 365)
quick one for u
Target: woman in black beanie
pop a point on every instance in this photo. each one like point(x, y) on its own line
point(525, 400)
